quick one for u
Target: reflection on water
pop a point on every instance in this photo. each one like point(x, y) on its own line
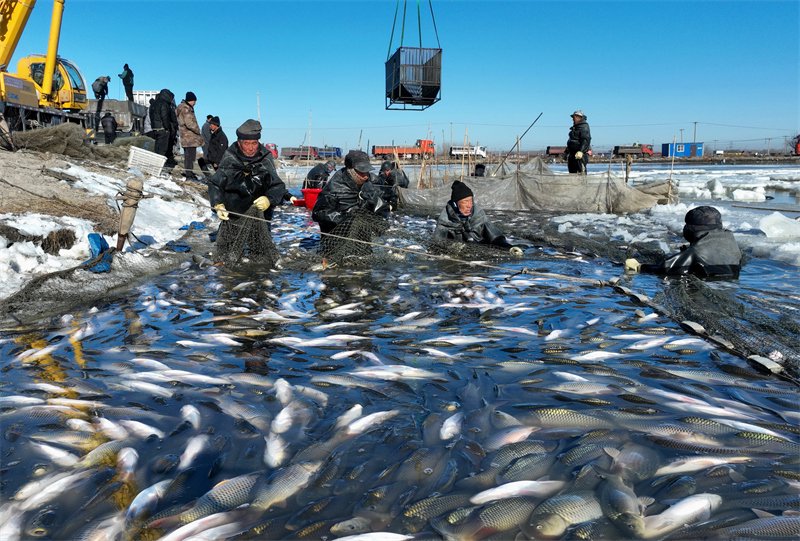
point(335, 402)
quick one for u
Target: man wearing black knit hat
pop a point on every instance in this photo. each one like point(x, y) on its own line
point(462, 221)
point(712, 251)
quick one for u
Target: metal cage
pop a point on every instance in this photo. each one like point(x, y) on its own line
point(413, 78)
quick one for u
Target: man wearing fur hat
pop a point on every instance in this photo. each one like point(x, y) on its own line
point(246, 177)
point(462, 221)
point(191, 136)
point(712, 251)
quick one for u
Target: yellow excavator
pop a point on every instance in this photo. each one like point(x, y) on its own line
point(45, 89)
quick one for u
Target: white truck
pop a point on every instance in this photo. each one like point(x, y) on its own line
point(457, 152)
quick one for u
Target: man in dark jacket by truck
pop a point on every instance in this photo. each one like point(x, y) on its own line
point(318, 175)
point(350, 189)
point(578, 144)
point(712, 251)
point(391, 177)
point(164, 123)
point(109, 124)
point(127, 81)
point(462, 221)
point(246, 176)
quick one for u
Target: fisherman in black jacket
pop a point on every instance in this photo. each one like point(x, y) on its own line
point(462, 221)
point(349, 189)
point(246, 176)
point(217, 144)
point(161, 122)
point(318, 175)
point(578, 144)
point(712, 251)
point(391, 177)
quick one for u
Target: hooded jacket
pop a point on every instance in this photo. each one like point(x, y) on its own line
point(342, 195)
point(161, 114)
point(714, 254)
point(187, 124)
point(580, 138)
point(241, 180)
point(452, 225)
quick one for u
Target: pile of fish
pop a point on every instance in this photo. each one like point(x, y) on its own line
point(385, 405)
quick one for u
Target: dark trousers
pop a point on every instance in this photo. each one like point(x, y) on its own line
point(162, 145)
point(110, 137)
point(189, 155)
point(575, 165)
point(100, 100)
point(129, 92)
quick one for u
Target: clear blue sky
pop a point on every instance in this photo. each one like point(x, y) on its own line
point(641, 71)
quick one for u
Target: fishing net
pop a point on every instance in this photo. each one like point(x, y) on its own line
point(70, 139)
point(246, 237)
point(753, 324)
point(350, 241)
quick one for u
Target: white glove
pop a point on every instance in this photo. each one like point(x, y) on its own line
point(632, 265)
point(579, 155)
point(516, 251)
point(222, 214)
point(261, 203)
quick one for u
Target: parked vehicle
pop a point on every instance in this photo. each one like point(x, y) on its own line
point(272, 148)
point(555, 151)
point(300, 153)
point(457, 152)
point(424, 148)
point(330, 152)
point(637, 151)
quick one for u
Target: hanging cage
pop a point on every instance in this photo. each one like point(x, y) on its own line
point(413, 78)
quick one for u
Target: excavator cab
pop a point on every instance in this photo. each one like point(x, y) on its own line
point(69, 88)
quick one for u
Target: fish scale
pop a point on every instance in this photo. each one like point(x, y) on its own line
point(223, 497)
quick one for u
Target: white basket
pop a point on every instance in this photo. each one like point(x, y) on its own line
point(146, 161)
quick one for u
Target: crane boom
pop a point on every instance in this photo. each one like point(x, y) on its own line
point(14, 14)
point(52, 47)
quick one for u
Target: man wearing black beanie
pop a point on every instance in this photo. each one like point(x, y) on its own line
point(712, 251)
point(462, 221)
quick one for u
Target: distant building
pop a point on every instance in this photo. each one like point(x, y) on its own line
point(682, 150)
point(143, 97)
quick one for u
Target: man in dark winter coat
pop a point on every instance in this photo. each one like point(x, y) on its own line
point(127, 81)
point(164, 123)
point(712, 251)
point(217, 144)
point(100, 89)
point(462, 221)
point(318, 176)
point(246, 176)
point(578, 144)
point(350, 189)
point(109, 124)
point(391, 177)
point(205, 130)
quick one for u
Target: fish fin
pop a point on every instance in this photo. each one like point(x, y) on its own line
point(760, 513)
point(613, 452)
point(646, 501)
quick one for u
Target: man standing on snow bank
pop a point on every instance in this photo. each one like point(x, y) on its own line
point(127, 81)
point(578, 144)
point(712, 251)
point(191, 137)
point(161, 122)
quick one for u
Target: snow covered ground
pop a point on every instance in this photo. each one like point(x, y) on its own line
point(763, 233)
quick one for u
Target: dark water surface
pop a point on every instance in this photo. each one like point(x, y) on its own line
point(604, 388)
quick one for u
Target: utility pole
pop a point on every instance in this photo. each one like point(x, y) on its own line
point(769, 144)
point(258, 105)
point(694, 135)
point(681, 135)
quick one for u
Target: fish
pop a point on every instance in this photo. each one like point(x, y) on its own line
point(283, 484)
point(552, 517)
point(693, 464)
point(621, 505)
point(537, 489)
point(146, 501)
point(695, 508)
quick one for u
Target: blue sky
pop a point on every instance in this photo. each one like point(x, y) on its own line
point(641, 71)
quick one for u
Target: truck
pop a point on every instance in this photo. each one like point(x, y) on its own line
point(635, 150)
point(423, 148)
point(330, 152)
point(300, 153)
point(555, 151)
point(46, 89)
point(457, 152)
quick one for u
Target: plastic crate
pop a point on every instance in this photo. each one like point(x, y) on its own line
point(146, 161)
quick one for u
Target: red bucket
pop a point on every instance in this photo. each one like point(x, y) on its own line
point(310, 196)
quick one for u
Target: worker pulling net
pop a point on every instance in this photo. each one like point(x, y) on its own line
point(246, 237)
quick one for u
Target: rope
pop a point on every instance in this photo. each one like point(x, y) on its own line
point(403, 28)
point(394, 23)
point(439, 45)
point(419, 24)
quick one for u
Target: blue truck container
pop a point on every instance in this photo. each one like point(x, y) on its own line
point(330, 152)
point(682, 150)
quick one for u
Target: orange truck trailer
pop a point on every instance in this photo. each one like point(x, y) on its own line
point(423, 148)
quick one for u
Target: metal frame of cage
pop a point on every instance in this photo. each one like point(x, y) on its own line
point(413, 78)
